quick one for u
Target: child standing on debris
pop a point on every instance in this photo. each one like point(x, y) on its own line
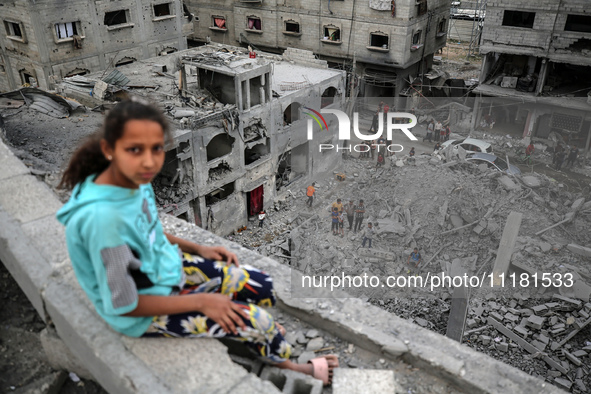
point(132, 271)
point(335, 221)
point(262, 215)
point(415, 256)
point(380, 161)
point(368, 235)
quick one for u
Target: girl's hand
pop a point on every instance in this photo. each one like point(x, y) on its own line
point(218, 253)
point(224, 312)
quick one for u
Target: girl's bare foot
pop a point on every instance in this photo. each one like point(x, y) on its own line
point(332, 362)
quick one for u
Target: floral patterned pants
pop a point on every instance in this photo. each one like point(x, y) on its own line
point(248, 287)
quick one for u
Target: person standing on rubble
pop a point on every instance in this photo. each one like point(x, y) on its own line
point(338, 205)
point(262, 216)
point(438, 128)
point(341, 224)
point(374, 122)
point(560, 159)
point(335, 221)
point(368, 235)
point(310, 192)
point(572, 157)
point(430, 128)
point(528, 152)
point(350, 210)
point(380, 161)
point(557, 150)
point(415, 256)
point(359, 215)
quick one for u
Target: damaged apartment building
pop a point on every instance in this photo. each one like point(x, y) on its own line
point(240, 127)
point(389, 42)
point(43, 41)
point(538, 54)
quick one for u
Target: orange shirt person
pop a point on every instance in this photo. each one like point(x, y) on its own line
point(310, 193)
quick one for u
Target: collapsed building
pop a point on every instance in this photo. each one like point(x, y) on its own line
point(538, 55)
point(240, 127)
point(388, 43)
point(42, 42)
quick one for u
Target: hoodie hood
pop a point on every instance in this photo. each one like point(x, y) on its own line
point(88, 192)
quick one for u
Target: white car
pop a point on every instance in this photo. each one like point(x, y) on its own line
point(469, 144)
point(493, 162)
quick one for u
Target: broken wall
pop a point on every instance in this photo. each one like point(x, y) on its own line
point(50, 57)
point(545, 38)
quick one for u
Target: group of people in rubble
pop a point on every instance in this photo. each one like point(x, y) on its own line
point(355, 215)
point(562, 154)
point(437, 132)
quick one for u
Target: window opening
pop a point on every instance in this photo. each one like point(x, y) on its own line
point(114, 18)
point(162, 10)
point(66, 30)
point(519, 19)
point(332, 33)
point(378, 40)
point(292, 27)
point(254, 23)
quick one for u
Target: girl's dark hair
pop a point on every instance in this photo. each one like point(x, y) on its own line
point(89, 159)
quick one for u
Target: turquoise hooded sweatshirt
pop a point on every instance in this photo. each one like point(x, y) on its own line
point(118, 250)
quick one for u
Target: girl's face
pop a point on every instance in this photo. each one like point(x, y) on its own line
point(138, 155)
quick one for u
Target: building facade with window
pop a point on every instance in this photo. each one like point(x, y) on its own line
point(388, 39)
point(42, 42)
point(538, 55)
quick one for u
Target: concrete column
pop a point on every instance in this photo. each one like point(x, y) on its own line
point(505, 250)
point(475, 114)
point(142, 27)
point(43, 41)
point(262, 90)
point(97, 35)
point(179, 25)
point(8, 68)
point(587, 151)
point(483, 69)
point(542, 77)
point(238, 89)
point(532, 117)
point(247, 93)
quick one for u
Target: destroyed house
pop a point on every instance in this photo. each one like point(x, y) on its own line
point(240, 128)
point(43, 41)
point(392, 41)
point(538, 54)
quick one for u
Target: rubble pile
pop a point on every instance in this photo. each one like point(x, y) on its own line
point(454, 213)
point(535, 336)
point(168, 192)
